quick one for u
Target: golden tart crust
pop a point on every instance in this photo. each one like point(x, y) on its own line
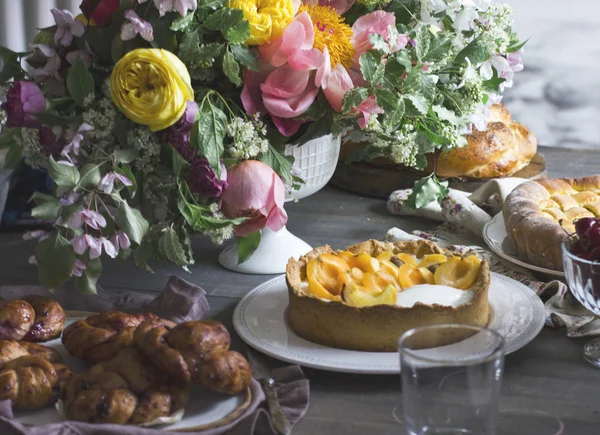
point(376, 328)
point(538, 214)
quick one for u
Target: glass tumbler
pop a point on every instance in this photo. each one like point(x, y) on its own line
point(453, 388)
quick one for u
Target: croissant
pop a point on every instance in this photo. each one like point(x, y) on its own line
point(102, 336)
point(33, 318)
point(126, 389)
point(196, 351)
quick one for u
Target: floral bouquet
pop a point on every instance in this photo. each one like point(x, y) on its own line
point(157, 118)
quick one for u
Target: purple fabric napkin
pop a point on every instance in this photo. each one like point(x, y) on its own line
point(180, 301)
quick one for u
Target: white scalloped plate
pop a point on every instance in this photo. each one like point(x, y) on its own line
point(494, 234)
point(260, 319)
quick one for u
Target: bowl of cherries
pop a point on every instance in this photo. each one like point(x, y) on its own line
point(581, 261)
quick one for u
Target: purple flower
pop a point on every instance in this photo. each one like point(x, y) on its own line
point(79, 268)
point(202, 179)
point(108, 182)
point(23, 101)
point(50, 72)
point(181, 6)
point(109, 248)
point(120, 241)
point(35, 234)
point(73, 146)
point(66, 27)
point(136, 25)
point(179, 134)
point(515, 60)
point(89, 217)
point(52, 143)
point(82, 243)
point(85, 54)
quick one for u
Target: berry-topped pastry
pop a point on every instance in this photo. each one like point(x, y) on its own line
point(540, 214)
point(369, 294)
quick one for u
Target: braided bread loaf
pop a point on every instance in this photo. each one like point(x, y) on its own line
point(102, 336)
point(33, 318)
point(126, 389)
point(31, 375)
point(196, 351)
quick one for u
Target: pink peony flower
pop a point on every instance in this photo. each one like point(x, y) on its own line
point(102, 11)
point(202, 179)
point(23, 101)
point(254, 191)
point(377, 22)
point(129, 30)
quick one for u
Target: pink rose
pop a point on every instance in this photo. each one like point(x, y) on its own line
point(377, 22)
point(255, 191)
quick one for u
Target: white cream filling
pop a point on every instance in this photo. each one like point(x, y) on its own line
point(430, 294)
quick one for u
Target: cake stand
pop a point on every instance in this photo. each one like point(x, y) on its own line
point(315, 163)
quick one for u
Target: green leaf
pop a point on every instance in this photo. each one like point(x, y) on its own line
point(132, 222)
point(223, 19)
point(13, 157)
point(439, 48)
point(208, 53)
point(171, 247)
point(394, 73)
point(12, 65)
point(353, 98)
point(404, 59)
point(143, 253)
point(231, 68)
point(371, 67)
point(117, 48)
point(417, 82)
point(416, 105)
point(208, 133)
point(423, 41)
point(247, 245)
point(476, 51)
point(56, 120)
point(239, 33)
point(432, 136)
point(126, 171)
point(445, 114)
point(179, 163)
point(80, 82)
point(10, 137)
point(181, 24)
point(379, 43)
point(279, 163)
point(47, 207)
point(199, 218)
point(211, 4)
point(387, 100)
point(189, 47)
point(164, 37)
point(246, 56)
point(406, 11)
point(87, 282)
point(494, 83)
point(63, 175)
point(426, 191)
point(394, 117)
point(90, 175)
point(55, 259)
point(126, 155)
point(517, 46)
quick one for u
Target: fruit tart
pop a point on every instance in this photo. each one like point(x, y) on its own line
point(540, 214)
point(366, 296)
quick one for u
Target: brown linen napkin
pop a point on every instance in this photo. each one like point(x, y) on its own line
point(180, 301)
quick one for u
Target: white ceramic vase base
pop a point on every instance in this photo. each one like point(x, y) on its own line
point(271, 256)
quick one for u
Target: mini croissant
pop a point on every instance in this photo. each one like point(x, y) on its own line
point(32, 318)
point(196, 351)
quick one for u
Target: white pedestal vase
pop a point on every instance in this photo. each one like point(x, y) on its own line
point(315, 164)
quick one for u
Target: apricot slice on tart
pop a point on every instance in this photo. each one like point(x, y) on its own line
point(325, 269)
point(458, 272)
point(409, 275)
point(355, 296)
point(376, 283)
point(352, 275)
point(402, 258)
point(432, 260)
point(364, 262)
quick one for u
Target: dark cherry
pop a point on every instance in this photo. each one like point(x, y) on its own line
point(583, 225)
point(576, 248)
point(595, 254)
point(585, 257)
point(591, 238)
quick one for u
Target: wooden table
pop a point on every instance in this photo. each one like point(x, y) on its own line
point(547, 376)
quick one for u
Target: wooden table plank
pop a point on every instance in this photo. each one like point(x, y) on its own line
point(547, 376)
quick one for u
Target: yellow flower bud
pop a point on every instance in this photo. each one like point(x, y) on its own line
point(267, 18)
point(151, 87)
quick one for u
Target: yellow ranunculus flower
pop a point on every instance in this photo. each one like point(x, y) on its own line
point(267, 18)
point(151, 87)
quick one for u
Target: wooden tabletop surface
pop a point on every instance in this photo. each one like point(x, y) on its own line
point(547, 379)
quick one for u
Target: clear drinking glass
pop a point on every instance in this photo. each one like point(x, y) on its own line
point(452, 389)
point(583, 277)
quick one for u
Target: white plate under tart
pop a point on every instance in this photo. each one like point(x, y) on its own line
point(495, 236)
point(260, 320)
point(205, 410)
